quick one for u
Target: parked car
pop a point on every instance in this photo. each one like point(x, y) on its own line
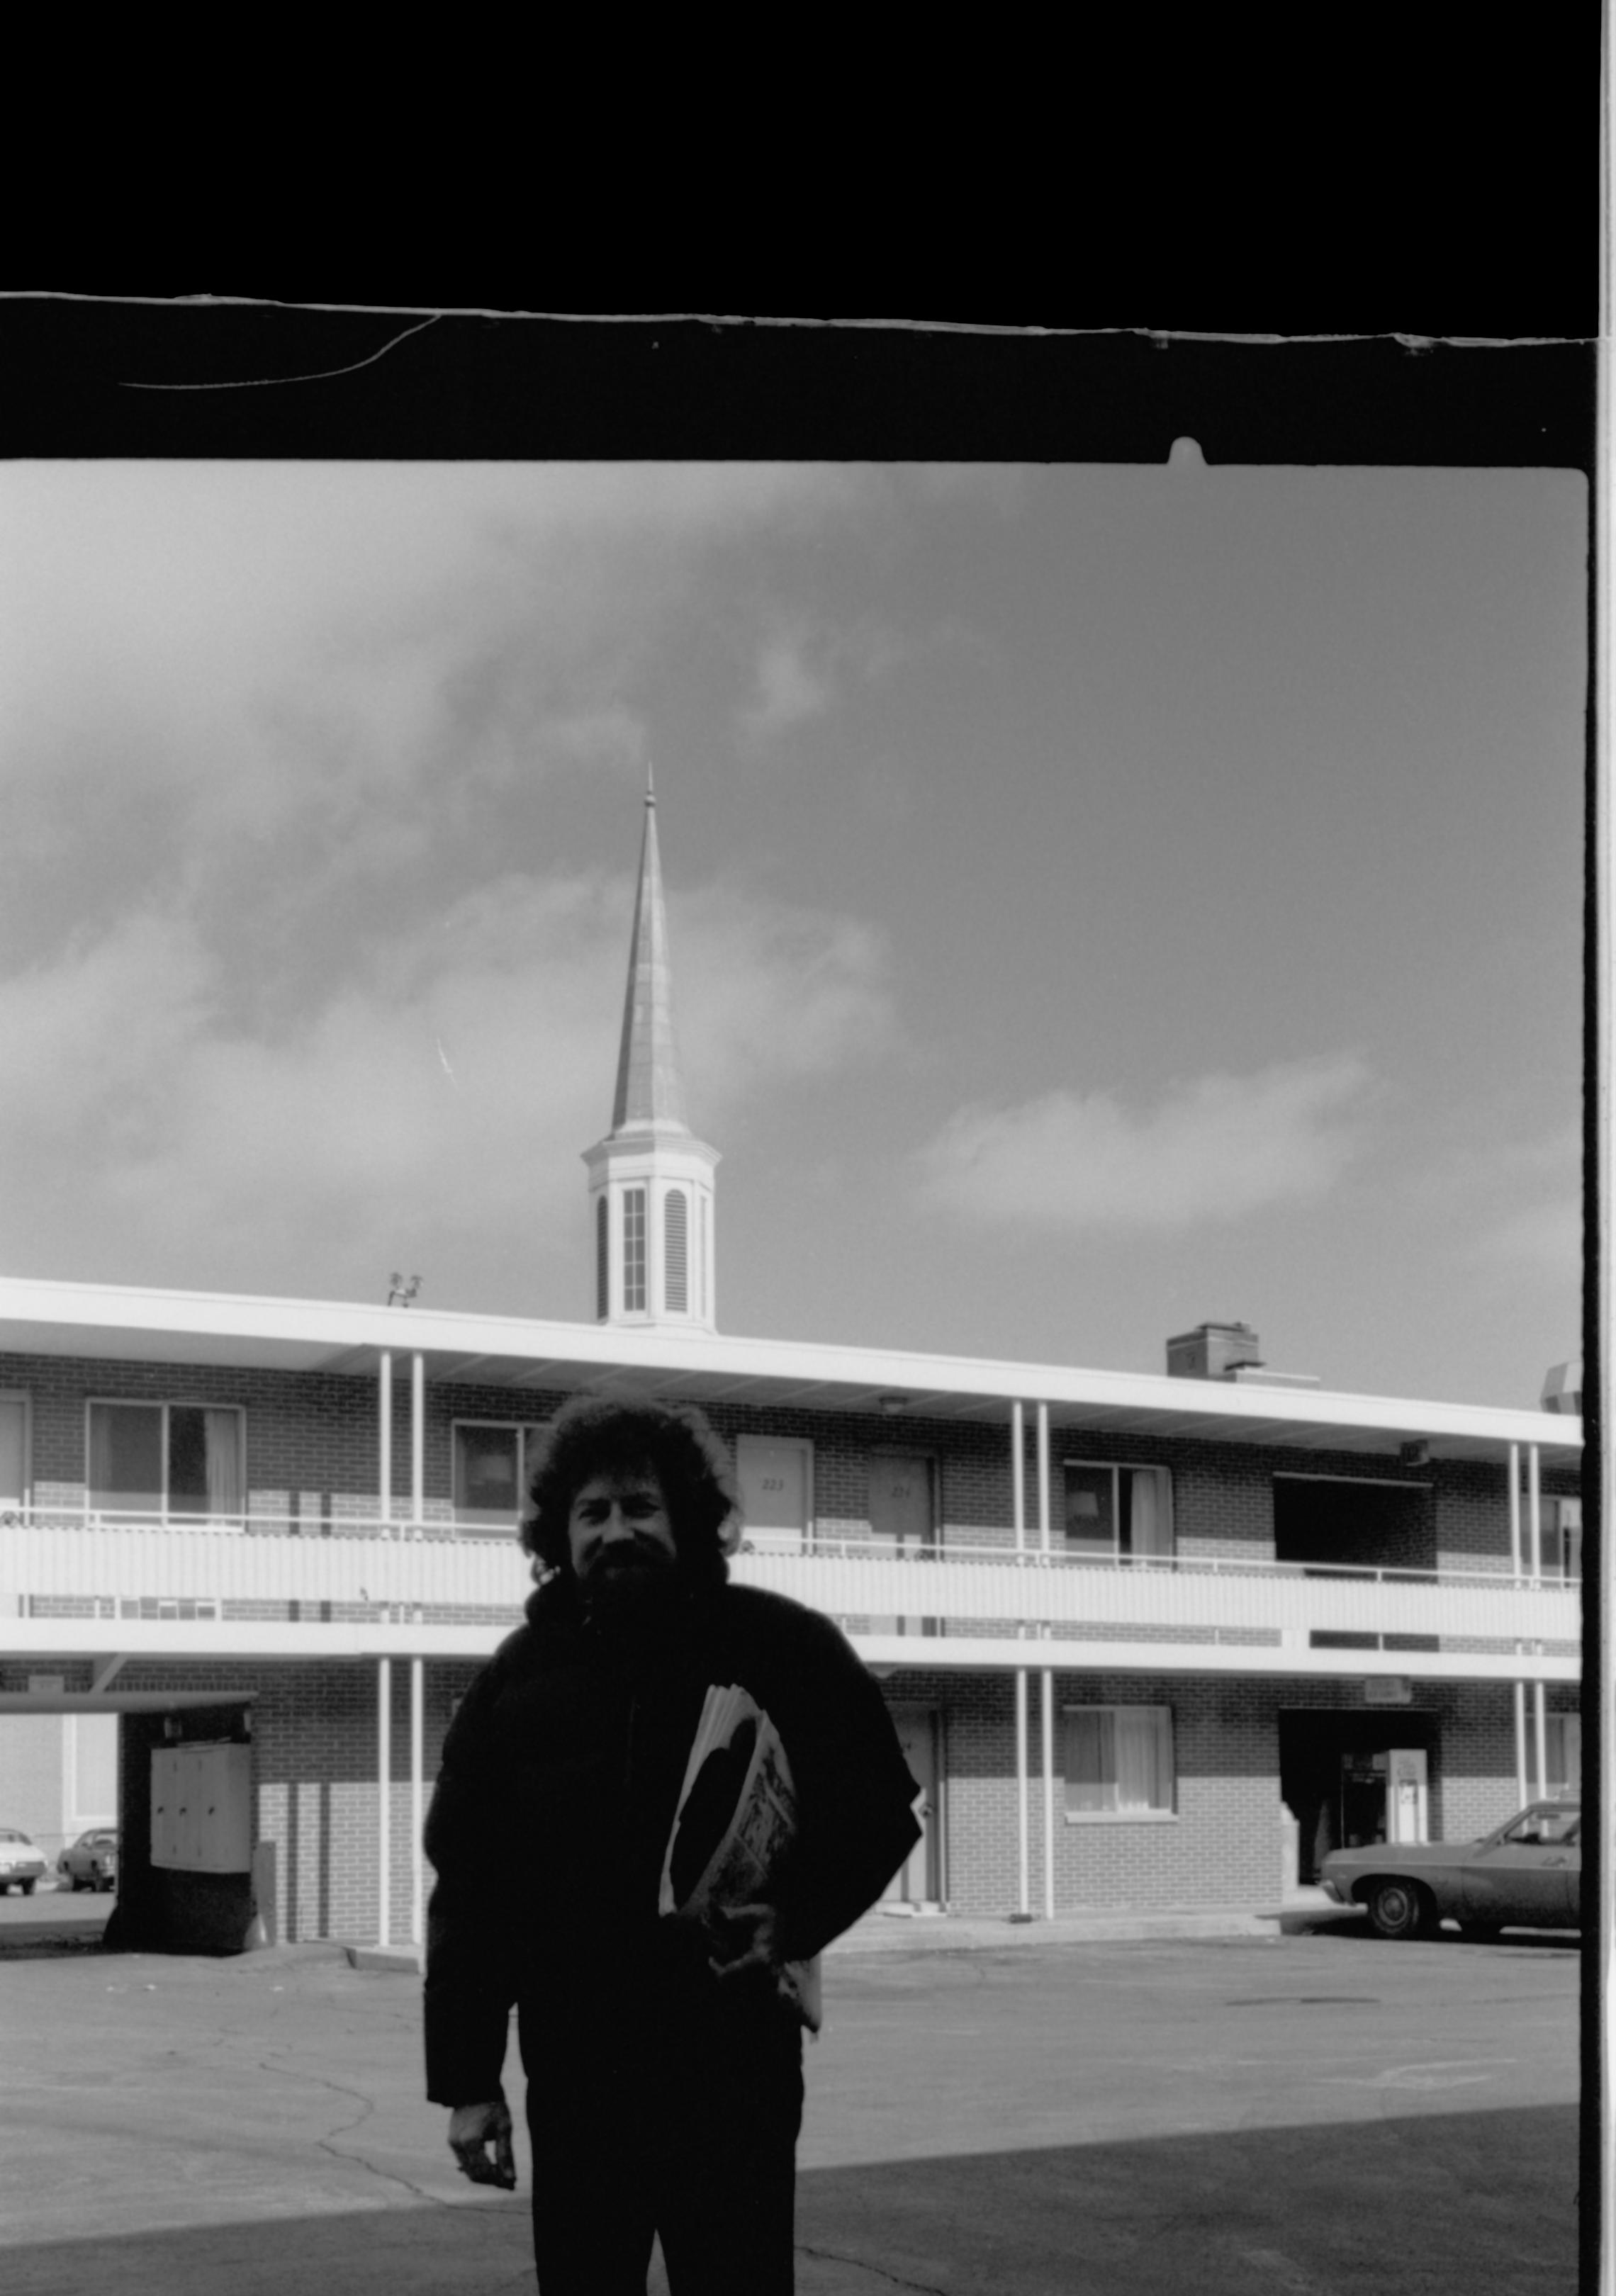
point(91, 1863)
point(19, 1862)
point(1526, 1874)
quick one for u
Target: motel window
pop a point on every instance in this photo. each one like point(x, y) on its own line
point(186, 1459)
point(1119, 1761)
point(14, 1454)
point(1117, 1513)
point(634, 1251)
point(490, 1475)
point(1562, 1753)
point(1562, 1534)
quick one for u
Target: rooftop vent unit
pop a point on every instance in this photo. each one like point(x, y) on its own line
point(1563, 1388)
point(1212, 1351)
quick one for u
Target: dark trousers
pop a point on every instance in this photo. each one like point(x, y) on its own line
point(686, 2128)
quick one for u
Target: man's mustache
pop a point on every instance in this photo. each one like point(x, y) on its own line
point(627, 1554)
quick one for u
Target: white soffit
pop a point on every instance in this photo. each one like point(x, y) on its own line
point(125, 1324)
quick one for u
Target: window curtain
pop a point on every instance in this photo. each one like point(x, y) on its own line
point(223, 1431)
point(1151, 1514)
point(1120, 1758)
point(1143, 1758)
point(126, 1457)
point(1090, 1741)
point(1562, 1752)
point(13, 1476)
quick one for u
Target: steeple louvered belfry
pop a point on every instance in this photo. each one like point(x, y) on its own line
point(651, 1180)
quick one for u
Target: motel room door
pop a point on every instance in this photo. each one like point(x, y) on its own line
point(902, 1516)
point(917, 1881)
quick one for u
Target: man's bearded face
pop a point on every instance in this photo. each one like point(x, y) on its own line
point(618, 1523)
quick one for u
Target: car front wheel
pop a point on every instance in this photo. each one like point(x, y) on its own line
point(1398, 1909)
point(28, 1889)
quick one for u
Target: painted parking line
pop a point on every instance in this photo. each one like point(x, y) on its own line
point(1443, 2072)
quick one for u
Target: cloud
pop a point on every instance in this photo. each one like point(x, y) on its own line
point(206, 656)
point(90, 1038)
point(1215, 1149)
point(434, 1104)
point(1520, 1202)
point(777, 995)
point(1545, 1238)
point(786, 689)
point(803, 668)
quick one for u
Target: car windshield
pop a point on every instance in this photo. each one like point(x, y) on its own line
point(1535, 1827)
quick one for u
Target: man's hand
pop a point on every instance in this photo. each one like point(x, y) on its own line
point(747, 1941)
point(473, 2130)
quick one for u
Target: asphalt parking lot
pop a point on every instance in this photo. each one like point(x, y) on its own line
point(1305, 2113)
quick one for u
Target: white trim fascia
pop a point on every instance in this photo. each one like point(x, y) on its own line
point(207, 1641)
point(340, 1325)
point(906, 1653)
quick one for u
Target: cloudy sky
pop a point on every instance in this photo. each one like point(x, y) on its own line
point(1101, 899)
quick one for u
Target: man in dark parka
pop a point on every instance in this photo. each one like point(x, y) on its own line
point(664, 2058)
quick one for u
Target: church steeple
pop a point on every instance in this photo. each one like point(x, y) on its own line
point(649, 1092)
point(651, 1180)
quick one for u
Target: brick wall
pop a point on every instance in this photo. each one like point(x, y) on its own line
point(312, 1452)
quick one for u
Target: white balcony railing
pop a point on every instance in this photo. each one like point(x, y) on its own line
point(403, 1570)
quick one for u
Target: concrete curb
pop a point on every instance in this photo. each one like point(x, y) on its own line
point(949, 1934)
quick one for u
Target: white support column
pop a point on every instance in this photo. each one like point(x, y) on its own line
point(417, 1801)
point(384, 1802)
point(417, 1438)
point(1048, 1686)
point(1516, 1570)
point(1022, 1907)
point(384, 1395)
point(1534, 1509)
point(1044, 1477)
point(1048, 1679)
point(1018, 1487)
point(1534, 1523)
point(1514, 1509)
point(1018, 1474)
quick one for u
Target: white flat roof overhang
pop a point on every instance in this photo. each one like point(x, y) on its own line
point(127, 1323)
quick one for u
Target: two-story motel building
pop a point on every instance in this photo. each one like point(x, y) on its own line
point(1152, 1641)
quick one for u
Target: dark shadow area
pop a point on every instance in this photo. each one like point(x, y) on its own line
point(161, 1907)
point(1343, 1922)
point(388, 2251)
point(50, 1944)
point(1397, 2205)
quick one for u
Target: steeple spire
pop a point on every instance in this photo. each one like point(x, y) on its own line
point(651, 1180)
point(650, 1095)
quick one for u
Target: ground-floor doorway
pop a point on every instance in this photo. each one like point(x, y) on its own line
point(1351, 1776)
point(918, 1879)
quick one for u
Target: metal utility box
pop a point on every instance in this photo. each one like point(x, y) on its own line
point(201, 1808)
point(1212, 1351)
